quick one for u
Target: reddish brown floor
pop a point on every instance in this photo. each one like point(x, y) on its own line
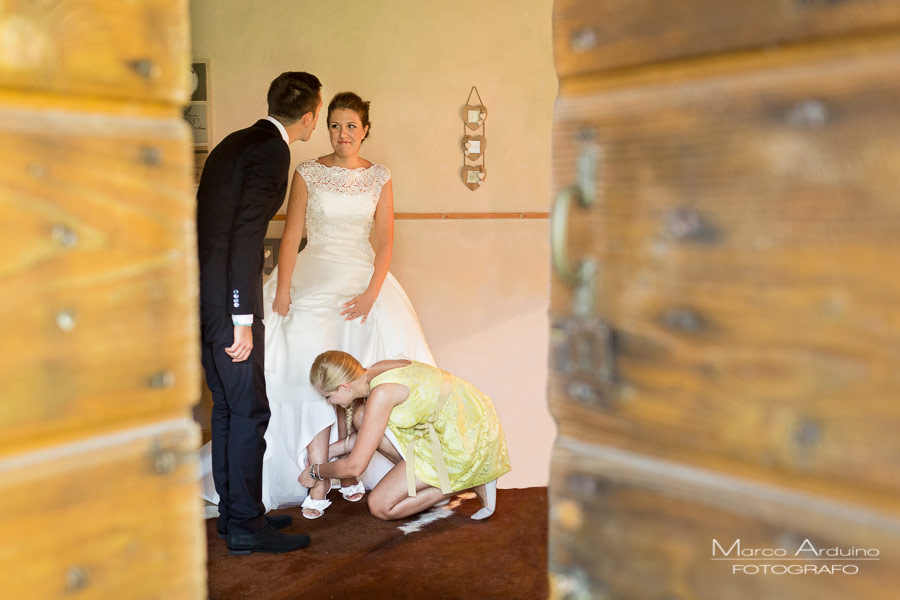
point(354, 555)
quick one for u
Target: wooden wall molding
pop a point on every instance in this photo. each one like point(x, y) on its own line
point(415, 216)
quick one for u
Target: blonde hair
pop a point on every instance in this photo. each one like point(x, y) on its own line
point(333, 368)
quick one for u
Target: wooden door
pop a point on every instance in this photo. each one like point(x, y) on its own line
point(98, 491)
point(725, 333)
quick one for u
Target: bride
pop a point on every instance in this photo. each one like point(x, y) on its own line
point(335, 294)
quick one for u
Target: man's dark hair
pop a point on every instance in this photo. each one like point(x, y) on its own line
point(292, 95)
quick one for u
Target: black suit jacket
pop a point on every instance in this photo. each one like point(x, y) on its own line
point(242, 186)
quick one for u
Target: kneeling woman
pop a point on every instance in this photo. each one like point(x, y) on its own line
point(442, 434)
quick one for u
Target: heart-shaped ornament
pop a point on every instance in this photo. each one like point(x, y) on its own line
point(473, 146)
point(473, 177)
point(474, 115)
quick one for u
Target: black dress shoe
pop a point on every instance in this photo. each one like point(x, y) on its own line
point(276, 521)
point(279, 521)
point(266, 539)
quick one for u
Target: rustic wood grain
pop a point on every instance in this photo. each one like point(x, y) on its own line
point(97, 273)
point(591, 36)
point(135, 50)
point(440, 216)
point(744, 230)
point(98, 280)
point(113, 517)
point(628, 527)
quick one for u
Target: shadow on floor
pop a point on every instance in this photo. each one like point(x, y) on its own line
point(441, 554)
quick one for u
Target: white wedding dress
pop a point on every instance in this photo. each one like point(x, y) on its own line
point(335, 266)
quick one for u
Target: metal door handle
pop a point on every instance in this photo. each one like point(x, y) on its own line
point(559, 237)
point(581, 275)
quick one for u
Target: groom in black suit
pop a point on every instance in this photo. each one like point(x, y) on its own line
point(243, 184)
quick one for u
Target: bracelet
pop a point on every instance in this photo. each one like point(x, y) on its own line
point(314, 472)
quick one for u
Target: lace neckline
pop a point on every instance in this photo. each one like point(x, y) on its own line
point(344, 168)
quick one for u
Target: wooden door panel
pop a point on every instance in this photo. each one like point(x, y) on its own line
point(654, 523)
point(111, 518)
point(96, 263)
point(98, 280)
point(134, 50)
point(591, 36)
point(744, 224)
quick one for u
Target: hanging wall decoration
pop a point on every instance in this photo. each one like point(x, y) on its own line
point(473, 146)
point(197, 114)
point(473, 142)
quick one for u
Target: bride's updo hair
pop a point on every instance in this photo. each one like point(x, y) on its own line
point(333, 368)
point(353, 102)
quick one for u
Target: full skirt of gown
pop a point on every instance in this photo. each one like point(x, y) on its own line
point(324, 278)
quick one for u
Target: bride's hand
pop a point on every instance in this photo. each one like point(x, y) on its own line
point(359, 306)
point(282, 303)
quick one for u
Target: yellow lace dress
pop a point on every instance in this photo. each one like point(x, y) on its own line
point(448, 426)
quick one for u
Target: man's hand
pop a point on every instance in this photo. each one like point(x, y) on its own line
point(243, 344)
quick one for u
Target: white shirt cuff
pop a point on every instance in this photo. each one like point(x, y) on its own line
point(246, 320)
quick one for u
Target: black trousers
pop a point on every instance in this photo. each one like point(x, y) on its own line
point(240, 415)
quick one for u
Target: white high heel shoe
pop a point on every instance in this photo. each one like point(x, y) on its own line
point(357, 489)
point(311, 503)
point(488, 497)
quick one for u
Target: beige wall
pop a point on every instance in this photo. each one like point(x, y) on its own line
point(480, 286)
